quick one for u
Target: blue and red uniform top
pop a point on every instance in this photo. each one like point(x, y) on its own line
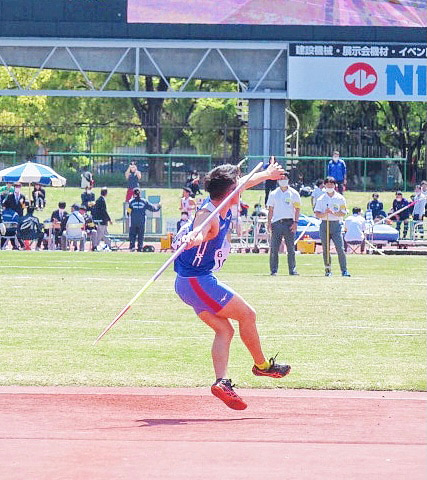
point(208, 256)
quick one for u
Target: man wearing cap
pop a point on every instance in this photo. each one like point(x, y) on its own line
point(398, 203)
point(136, 212)
point(15, 200)
point(284, 205)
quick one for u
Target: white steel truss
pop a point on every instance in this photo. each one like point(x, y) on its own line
point(257, 69)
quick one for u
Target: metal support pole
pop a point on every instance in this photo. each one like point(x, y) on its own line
point(266, 127)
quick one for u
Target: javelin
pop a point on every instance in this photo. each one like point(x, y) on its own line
point(179, 251)
point(388, 217)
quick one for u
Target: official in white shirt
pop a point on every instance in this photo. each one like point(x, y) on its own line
point(331, 207)
point(355, 227)
point(284, 205)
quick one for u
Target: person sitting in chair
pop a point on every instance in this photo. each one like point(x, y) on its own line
point(74, 230)
point(39, 197)
point(355, 227)
point(10, 221)
point(30, 229)
point(59, 221)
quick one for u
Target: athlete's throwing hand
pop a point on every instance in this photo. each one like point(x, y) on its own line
point(275, 171)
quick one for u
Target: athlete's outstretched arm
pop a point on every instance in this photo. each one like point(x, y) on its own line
point(273, 172)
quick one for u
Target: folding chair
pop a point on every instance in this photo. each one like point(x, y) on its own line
point(73, 235)
point(11, 235)
point(355, 245)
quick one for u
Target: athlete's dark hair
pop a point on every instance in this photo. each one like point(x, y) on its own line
point(330, 180)
point(219, 180)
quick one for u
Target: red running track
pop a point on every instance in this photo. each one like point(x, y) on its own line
point(83, 433)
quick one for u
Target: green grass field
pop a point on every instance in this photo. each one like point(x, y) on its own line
point(170, 201)
point(363, 332)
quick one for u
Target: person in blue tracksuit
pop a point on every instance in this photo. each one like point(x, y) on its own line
point(338, 169)
point(137, 208)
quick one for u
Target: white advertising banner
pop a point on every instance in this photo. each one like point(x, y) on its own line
point(357, 72)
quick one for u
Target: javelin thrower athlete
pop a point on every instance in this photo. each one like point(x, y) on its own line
point(214, 302)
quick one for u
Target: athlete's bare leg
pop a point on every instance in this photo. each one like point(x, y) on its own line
point(221, 345)
point(238, 309)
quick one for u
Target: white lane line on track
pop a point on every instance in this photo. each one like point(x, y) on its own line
point(368, 327)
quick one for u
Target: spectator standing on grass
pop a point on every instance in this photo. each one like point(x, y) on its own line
point(269, 185)
point(338, 170)
point(331, 208)
point(133, 176)
point(398, 203)
point(137, 208)
point(319, 189)
point(193, 183)
point(187, 203)
point(284, 205)
point(355, 227)
point(87, 179)
point(102, 220)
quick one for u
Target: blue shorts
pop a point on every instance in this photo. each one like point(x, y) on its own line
point(203, 293)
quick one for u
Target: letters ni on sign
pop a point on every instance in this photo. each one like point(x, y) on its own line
point(357, 72)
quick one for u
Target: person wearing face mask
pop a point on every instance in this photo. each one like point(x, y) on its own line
point(59, 219)
point(338, 169)
point(136, 212)
point(331, 209)
point(16, 200)
point(284, 205)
